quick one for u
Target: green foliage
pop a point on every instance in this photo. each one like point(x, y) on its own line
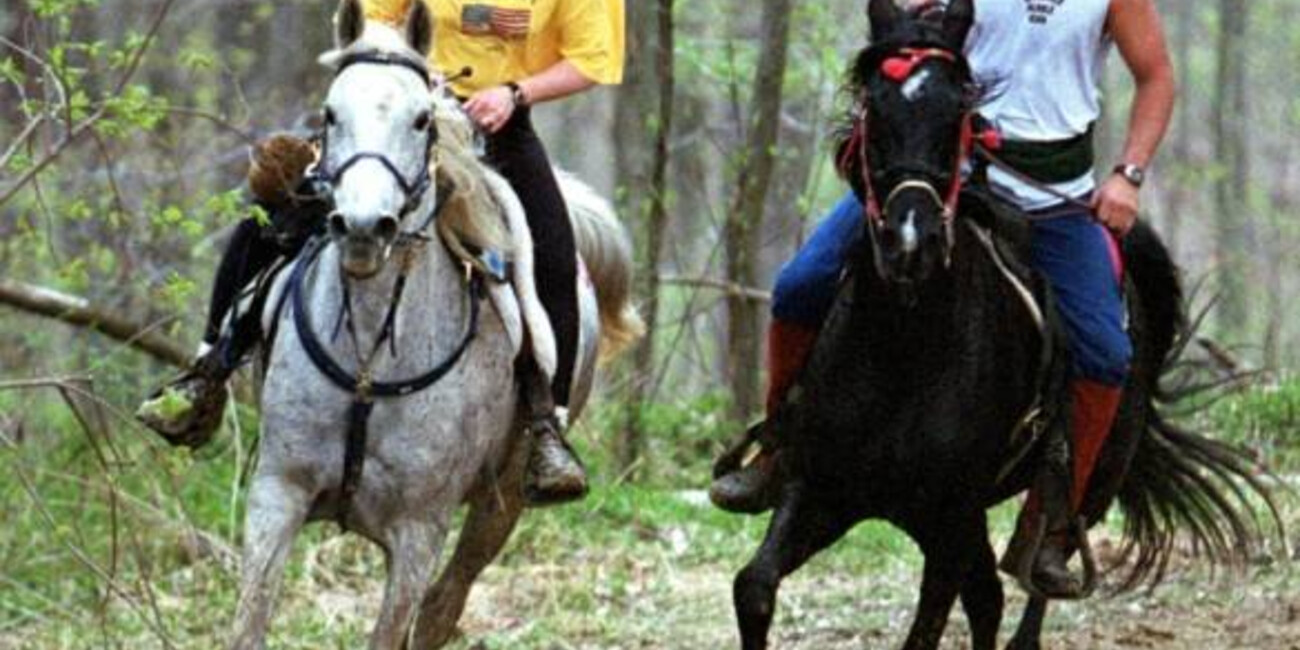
point(1266, 419)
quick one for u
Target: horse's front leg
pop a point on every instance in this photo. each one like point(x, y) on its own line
point(981, 593)
point(493, 513)
point(951, 547)
point(276, 510)
point(800, 528)
point(412, 549)
point(1030, 630)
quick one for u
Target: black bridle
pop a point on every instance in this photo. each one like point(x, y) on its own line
point(413, 189)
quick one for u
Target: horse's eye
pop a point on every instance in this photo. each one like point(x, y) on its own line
point(422, 121)
point(330, 118)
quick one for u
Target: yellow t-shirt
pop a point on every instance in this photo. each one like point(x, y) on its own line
point(508, 40)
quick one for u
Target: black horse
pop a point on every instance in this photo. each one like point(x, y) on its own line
point(913, 405)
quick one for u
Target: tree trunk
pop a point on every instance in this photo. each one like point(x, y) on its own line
point(649, 83)
point(1230, 195)
point(1176, 193)
point(745, 218)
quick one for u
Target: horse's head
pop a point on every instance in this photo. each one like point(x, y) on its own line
point(379, 133)
point(909, 133)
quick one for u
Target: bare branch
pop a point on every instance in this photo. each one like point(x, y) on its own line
point(730, 289)
point(80, 312)
point(27, 133)
point(76, 131)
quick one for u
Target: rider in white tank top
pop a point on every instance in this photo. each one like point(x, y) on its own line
point(1042, 62)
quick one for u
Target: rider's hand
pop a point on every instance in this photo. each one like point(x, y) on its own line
point(491, 108)
point(1116, 204)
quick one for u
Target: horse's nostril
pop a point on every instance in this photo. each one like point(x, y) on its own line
point(386, 228)
point(338, 225)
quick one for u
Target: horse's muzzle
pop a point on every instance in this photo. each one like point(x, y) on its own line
point(364, 249)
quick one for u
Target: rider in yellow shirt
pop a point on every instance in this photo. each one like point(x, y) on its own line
point(519, 53)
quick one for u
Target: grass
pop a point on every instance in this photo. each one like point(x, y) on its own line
point(645, 565)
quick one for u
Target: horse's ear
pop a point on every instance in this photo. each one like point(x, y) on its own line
point(419, 28)
point(349, 22)
point(884, 15)
point(957, 22)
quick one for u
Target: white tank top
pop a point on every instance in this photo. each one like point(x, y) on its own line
point(1042, 62)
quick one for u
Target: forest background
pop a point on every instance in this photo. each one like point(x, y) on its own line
point(124, 135)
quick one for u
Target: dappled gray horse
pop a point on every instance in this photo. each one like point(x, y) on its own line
point(386, 305)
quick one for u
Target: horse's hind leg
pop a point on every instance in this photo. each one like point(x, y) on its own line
point(412, 549)
point(982, 598)
point(799, 529)
point(276, 510)
point(1030, 630)
point(493, 514)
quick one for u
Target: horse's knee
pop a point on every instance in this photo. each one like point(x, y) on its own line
point(754, 592)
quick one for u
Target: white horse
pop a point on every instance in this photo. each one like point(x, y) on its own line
point(406, 187)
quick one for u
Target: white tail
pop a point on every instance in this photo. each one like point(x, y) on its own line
point(606, 249)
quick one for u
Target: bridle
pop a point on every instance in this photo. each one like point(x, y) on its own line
point(412, 189)
point(898, 67)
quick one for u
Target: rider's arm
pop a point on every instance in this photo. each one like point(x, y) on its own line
point(1135, 27)
point(590, 35)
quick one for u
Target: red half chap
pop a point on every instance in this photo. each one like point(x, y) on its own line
point(788, 348)
point(1094, 408)
point(1093, 414)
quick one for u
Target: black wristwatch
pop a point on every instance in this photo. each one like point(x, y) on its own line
point(517, 94)
point(1134, 174)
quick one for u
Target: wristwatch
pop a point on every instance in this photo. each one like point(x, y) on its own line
point(1131, 173)
point(517, 94)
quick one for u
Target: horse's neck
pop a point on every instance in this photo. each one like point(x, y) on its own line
point(921, 333)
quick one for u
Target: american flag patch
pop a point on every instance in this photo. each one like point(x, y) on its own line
point(480, 19)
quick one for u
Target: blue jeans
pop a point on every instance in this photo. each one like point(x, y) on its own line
point(1072, 251)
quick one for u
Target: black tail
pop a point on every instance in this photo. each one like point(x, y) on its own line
point(1179, 480)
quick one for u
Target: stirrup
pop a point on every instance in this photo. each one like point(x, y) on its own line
point(1024, 567)
point(733, 459)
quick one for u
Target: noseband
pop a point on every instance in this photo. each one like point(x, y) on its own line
point(413, 190)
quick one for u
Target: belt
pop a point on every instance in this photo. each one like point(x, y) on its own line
point(1057, 161)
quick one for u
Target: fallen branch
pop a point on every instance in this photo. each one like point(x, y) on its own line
point(78, 311)
point(726, 287)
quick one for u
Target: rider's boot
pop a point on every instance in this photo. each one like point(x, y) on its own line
point(554, 474)
point(753, 488)
point(1059, 494)
point(187, 410)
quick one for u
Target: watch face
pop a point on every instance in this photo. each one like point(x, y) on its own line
point(1134, 174)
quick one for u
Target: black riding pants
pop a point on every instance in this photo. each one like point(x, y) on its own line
point(247, 254)
point(517, 153)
